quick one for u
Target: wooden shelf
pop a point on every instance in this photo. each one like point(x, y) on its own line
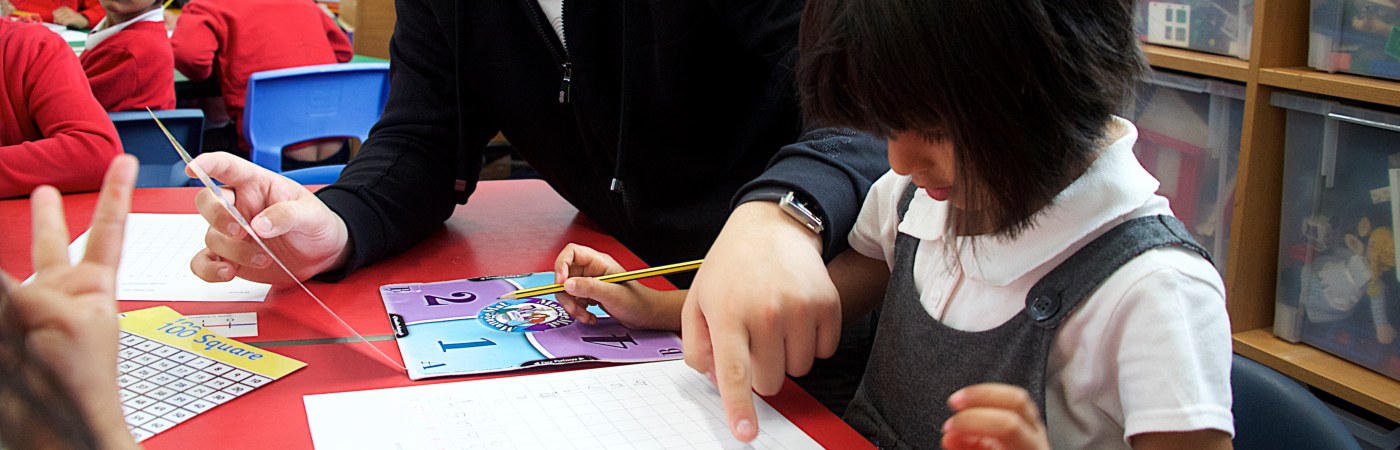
point(1353, 87)
point(1227, 67)
point(1339, 377)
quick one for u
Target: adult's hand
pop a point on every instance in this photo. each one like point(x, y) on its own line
point(66, 16)
point(68, 313)
point(295, 225)
point(761, 307)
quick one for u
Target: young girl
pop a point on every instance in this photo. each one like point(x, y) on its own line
point(128, 59)
point(1017, 247)
point(52, 131)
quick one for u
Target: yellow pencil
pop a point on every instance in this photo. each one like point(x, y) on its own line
point(614, 278)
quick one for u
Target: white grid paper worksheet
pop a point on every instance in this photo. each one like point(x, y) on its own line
point(156, 257)
point(653, 405)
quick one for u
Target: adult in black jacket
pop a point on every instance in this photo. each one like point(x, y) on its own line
point(653, 120)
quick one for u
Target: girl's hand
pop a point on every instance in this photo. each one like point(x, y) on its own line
point(631, 304)
point(994, 416)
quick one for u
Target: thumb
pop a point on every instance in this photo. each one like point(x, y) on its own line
point(600, 291)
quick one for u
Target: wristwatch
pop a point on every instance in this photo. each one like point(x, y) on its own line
point(790, 204)
point(800, 212)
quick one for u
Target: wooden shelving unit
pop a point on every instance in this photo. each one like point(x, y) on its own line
point(1278, 62)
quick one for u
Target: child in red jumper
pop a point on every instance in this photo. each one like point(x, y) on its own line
point(70, 13)
point(248, 36)
point(52, 131)
point(128, 58)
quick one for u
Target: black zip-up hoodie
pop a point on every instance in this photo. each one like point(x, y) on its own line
point(657, 116)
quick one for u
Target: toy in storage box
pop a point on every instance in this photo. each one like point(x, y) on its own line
point(1216, 26)
point(1355, 36)
point(1189, 139)
point(1337, 285)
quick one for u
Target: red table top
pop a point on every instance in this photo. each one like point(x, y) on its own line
point(507, 227)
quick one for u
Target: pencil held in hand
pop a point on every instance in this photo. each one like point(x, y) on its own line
point(614, 278)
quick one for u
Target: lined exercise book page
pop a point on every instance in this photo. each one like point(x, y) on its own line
point(653, 405)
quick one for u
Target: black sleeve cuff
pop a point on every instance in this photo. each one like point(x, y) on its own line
point(362, 224)
point(831, 170)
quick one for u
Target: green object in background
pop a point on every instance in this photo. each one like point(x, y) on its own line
point(1392, 44)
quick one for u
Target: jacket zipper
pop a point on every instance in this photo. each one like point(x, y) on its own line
point(556, 48)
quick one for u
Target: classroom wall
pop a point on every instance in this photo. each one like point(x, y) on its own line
point(373, 21)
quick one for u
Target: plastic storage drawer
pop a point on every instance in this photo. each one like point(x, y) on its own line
point(1355, 36)
point(1337, 285)
point(1189, 138)
point(1215, 26)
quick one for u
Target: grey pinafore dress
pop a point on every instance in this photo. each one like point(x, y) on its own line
point(917, 362)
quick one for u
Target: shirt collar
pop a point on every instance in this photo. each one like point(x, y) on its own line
point(101, 32)
point(1113, 186)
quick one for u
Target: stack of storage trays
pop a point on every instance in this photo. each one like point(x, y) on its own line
point(1337, 285)
point(1216, 26)
point(1189, 138)
point(1355, 36)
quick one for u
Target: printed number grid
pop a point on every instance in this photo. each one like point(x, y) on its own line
point(642, 410)
point(162, 386)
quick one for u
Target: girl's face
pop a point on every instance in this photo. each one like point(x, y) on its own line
point(928, 160)
point(127, 7)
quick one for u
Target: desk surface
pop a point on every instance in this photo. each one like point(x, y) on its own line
point(514, 226)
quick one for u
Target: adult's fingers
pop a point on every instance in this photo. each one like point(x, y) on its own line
point(210, 267)
point(50, 230)
point(695, 336)
point(735, 381)
point(767, 356)
point(214, 212)
point(801, 349)
point(230, 170)
point(243, 252)
point(108, 227)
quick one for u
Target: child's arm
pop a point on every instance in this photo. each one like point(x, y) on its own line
point(632, 304)
point(78, 137)
point(860, 280)
point(196, 40)
point(339, 42)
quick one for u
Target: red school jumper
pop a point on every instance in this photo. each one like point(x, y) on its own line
point(248, 36)
point(52, 131)
point(132, 69)
point(44, 8)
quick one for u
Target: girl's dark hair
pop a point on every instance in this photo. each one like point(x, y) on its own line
point(1022, 89)
point(36, 411)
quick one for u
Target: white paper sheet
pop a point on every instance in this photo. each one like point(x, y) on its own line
point(229, 325)
point(156, 262)
point(653, 405)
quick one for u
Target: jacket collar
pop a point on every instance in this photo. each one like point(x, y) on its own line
point(101, 32)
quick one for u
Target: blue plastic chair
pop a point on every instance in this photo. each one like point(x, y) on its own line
point(288, 106)
point(161, 166)
point(1273, 411)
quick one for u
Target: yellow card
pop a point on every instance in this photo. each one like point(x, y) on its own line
point(164, 325)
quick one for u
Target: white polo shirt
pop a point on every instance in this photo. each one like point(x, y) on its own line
point(1149, 351)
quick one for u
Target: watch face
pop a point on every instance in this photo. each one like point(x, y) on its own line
point(800, 212)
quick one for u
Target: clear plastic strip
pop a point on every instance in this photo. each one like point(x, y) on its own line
point(243, 222)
